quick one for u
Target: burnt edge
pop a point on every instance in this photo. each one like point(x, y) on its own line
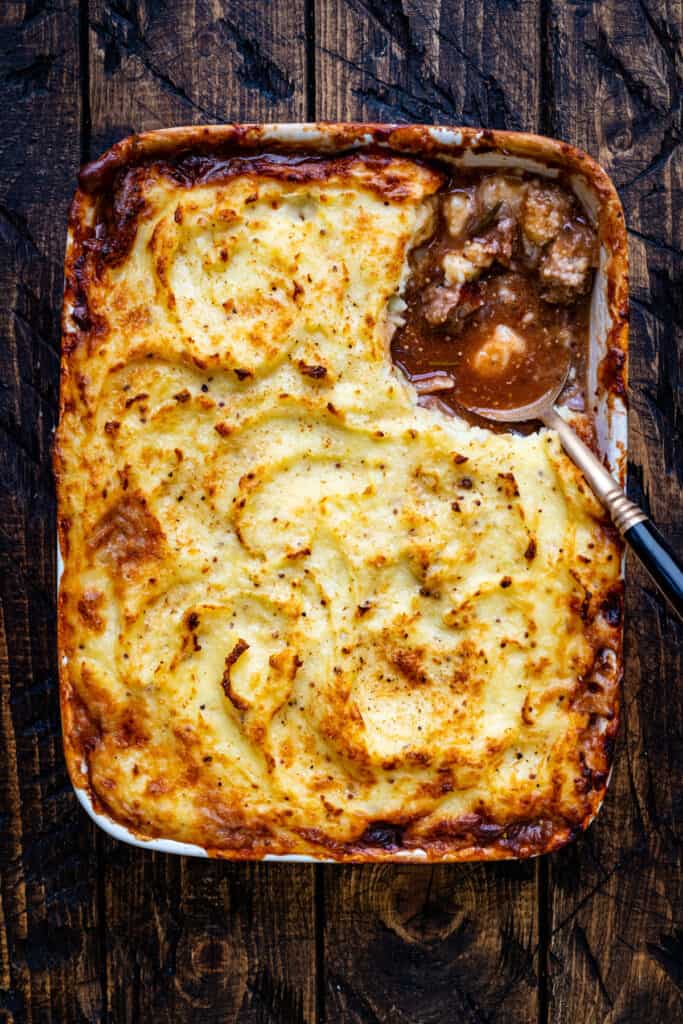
point(316, 157)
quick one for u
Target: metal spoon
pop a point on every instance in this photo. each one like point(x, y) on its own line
point(638, 531)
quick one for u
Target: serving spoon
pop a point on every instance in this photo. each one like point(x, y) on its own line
point(638, 531)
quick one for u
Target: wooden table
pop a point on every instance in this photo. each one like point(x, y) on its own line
point(91, 930)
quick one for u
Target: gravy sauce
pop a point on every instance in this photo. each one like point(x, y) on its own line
point(497, 302)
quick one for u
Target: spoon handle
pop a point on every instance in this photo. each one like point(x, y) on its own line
point(638, 531)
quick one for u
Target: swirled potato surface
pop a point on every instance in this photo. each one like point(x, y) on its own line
point(299, 612)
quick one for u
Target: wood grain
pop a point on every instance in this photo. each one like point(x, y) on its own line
point(48, 908)
point(429, 61)
point(419, 944)
point(616, 897)
point(191, 940)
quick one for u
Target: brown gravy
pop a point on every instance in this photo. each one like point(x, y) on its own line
point(498, 295)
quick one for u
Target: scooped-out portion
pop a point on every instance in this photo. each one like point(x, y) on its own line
point(499, 293)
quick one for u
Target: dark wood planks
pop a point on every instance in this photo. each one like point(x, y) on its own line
point(191, 940)
point(48, 907)
point(91, 930)
point(413, 944)
point(418, 944)
point(429, 61)
point(616, 897)
point(155, 64)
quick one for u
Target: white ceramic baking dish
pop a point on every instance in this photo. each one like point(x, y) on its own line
point(466, 147)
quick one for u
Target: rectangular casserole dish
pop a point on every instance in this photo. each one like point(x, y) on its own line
point(388, 838)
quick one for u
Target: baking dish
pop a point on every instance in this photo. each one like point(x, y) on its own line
point(470, 148)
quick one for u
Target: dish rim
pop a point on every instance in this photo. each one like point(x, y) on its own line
point(472, 147)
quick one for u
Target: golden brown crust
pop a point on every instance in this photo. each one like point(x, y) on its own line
point(129, 540)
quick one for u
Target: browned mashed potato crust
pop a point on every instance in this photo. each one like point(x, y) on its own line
point(299, 613)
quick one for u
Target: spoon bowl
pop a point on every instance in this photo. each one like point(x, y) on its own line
point(536, 410)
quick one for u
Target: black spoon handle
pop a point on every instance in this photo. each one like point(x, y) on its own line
point(659, 560)
point(663, 565)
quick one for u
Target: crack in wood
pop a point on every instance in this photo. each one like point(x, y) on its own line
point(656, 243)
point(593, 964)
point(549, 49)
point(391, 18)
point(609, 58)
point(309, 41)
point(164, 80)
point(257, 70)
point(320, 963)
point(595, 890)
point(660, 316)
point(668, 147)
point(407, 105)
point(666, 36)
point(32, 78)
point(14, 225)
point(503, 117)
point(356, 1007)
point(669, 955)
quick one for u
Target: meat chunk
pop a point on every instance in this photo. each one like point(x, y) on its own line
point(496, 245)
point(451, 305)
point(546, 209)
point(566, 268)
point(495, 355)
point(471, 299)
point(457, 209)
point(439, 302)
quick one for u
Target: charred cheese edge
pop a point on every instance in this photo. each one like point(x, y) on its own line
point(299, 613)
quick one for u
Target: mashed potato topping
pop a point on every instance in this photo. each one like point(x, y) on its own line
point(299, 611)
